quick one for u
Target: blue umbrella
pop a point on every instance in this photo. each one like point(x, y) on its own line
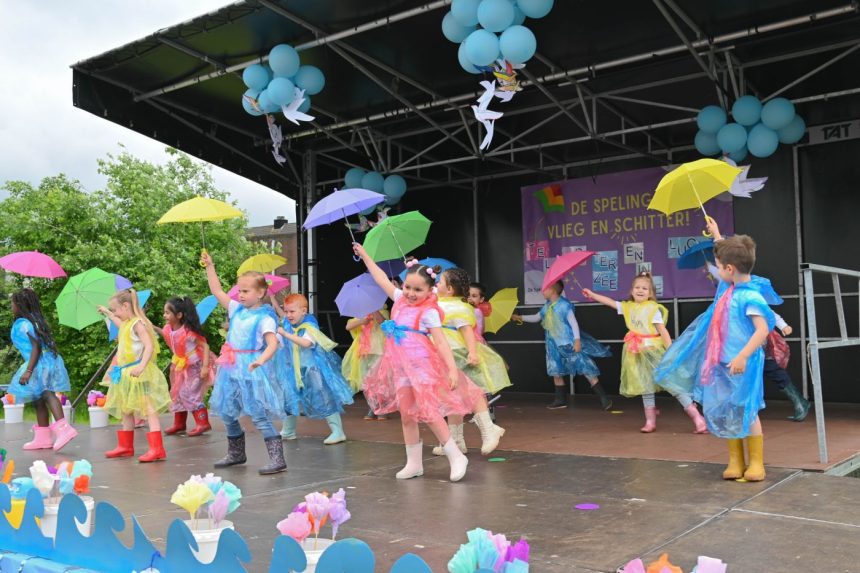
point(205, 307)
point(393, 267)
point(697, 256)
point(360, 296)
point(142, 297)
point(432, 262)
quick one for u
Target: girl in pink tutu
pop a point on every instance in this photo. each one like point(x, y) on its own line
point(417, 374)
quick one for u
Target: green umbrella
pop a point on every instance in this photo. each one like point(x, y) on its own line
point(395, 236)
point(77, 304)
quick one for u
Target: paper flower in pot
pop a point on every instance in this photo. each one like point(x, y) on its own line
point(43, 479)
point(296, 525)
point(190, 496)
point(318, 506)
point(338, 514)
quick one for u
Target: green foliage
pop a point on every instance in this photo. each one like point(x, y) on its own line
point(115, 229)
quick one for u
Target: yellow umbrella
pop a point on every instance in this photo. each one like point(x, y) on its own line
point(689, 185)
point(264, 263)
point(200, 210)
point(502, 304)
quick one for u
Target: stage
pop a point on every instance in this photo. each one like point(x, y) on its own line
point(658, 492)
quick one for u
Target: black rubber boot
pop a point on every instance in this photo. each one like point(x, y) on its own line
point(235, 452)
point(277, 463)
point(801, 404)
point(605, 402)
point(560, 398)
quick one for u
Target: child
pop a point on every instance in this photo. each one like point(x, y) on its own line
point(41, 375)
point(192, 367)
point(478, 361)
point(720, 355)
point(313, 370)
point(364, 352)
point(478, 299)
point(137, 387)
point(568, 352)
point(776, 355)
point(644, 346)
point(246, 382)
point(415, 376)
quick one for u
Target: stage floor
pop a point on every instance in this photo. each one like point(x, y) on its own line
point(798, 521)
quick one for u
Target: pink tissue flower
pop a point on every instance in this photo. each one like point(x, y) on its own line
point(318, 506)
point(296, 525)
point(338, 513)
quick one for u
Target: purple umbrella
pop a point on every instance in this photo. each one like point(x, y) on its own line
point(360, 296)
point(341, 204)
point(122, 283)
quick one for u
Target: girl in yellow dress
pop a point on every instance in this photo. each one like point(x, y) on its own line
point(364, 352)
point(136, 385)
point(644, 345)
point(476, 359)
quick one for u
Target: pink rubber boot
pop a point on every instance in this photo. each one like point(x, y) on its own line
point(63, 433)
point(42, 440)
point(698, 420)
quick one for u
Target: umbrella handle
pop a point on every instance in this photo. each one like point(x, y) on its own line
point(706, 233)
point(203, 251)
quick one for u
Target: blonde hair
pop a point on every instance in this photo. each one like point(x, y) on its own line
point(129, 296)
point(645, 276)
point(259, 278)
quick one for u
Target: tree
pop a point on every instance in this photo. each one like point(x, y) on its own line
point(114, 229)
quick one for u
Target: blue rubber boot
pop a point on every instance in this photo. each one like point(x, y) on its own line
point(288, 431)
point(337, 436)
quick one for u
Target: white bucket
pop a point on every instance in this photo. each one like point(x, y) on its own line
point(13, 413)
point(98, 417)
point(207, 539)
point(67, 412)
point(49, 521)
point(314, 549)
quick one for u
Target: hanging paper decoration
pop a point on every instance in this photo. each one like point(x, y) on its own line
point(743, 186)
point(493, 40)
point(281, 86)
point(757, 129)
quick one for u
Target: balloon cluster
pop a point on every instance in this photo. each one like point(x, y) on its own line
point(757, 129)
point(278, 84)
point(393, 186)
point(501, 34)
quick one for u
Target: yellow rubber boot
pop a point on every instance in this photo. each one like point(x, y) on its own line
point(755, 471)
point(735, 469)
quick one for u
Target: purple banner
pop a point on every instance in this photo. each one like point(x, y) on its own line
point(609, 214)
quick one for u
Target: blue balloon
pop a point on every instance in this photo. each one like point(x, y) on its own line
point(747, 110)
point(706, 144)
point(253, 94)
point(266, 103)
point(518, 44)
point(465, 11)
point(310, 79)
point(352, 179)
point(482, 48)
point(281, 91)
point(464, 60)
point(535, 8)
point(519, 17)
point(777, 113)
point(495, 15)
point(305, 105)
point(762, 141)
point(373, 181)
point(256, 77)
point(284, 61)
point(453, 30)
point(739, 155)
point(731, 137)
point(391, 201)
point(369, 211)
point(793, 132)
point(395, 185)
point(711, 119)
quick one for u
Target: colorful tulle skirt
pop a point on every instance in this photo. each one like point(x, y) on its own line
point(138, 396)
point(239, 392)
point(491, 374)
point(49, 375)
point(324, 390)
point(563, 361)
point(187, 388)
point(637, 370)
point(418, 387)
point(355, 368)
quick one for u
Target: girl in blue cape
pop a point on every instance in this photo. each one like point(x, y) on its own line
point(568, 351)
point(720, 356)
point(312, 369)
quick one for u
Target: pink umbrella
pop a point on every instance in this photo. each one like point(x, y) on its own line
point(32, 264)
point(563, 265)
point(276, 285)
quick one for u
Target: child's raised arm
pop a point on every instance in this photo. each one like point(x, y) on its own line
point(278, 308)
point(214, 282)
point(378, 274)
point(111, 316)
point(599, 298)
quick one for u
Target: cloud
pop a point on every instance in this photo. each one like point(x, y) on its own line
point(42, 133)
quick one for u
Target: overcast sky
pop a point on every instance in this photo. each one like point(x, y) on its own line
point(42, 133)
